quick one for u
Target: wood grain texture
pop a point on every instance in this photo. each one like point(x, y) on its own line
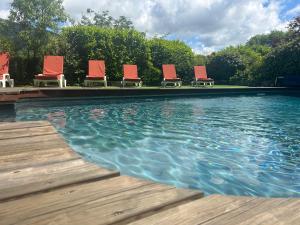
point(26, 132)
point(29, 158)
point(29, 180)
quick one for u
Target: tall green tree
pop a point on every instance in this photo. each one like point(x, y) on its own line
point(225, 64)
point(294, 26)
point(273, 39)
point(105, 20)
point(38, 20)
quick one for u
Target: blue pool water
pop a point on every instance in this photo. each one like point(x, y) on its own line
point(246, 145)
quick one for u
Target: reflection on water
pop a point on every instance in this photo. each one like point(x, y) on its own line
point(227, 145)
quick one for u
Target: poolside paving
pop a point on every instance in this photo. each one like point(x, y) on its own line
point(43, 181)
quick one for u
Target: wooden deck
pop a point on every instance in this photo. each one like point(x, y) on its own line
point(43, 181)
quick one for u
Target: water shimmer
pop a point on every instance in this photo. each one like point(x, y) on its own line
point(246, 145)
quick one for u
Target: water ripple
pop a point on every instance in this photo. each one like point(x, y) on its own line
point(227, 145)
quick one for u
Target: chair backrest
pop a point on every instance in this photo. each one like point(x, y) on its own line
point(130, 72)
point(53, 65)
point(96, 68)
point(169, 71)
point(4, 63)
point(200, 72)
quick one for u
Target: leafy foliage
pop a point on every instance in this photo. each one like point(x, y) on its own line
point(104, 20)
point(274, 39)
point(294, 26)
point(38, 19)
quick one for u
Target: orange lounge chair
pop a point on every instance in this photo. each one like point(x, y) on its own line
point(52, 72)
point(201, 76)
point(4, 66)
point(131, 75)
point(96, 73)
point(170, 76)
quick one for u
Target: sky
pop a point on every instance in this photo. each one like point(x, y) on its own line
point(205, 25)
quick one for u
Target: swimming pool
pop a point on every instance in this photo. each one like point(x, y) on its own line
point(245, 145)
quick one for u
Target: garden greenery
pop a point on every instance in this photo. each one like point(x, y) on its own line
point(32, 32)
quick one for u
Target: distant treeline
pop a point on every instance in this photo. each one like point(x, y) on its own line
point(31, 32)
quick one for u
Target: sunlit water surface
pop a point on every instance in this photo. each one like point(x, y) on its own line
point(246, 145)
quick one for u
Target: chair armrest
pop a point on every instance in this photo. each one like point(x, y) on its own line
point(6, 76)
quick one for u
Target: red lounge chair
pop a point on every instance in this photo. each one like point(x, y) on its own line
point(52, 72)
point(96, 73)
point(131, 75)
point(170, 76)
point(4, 66)
point(201, 76)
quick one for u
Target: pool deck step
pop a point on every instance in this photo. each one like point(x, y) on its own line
point(43, 181)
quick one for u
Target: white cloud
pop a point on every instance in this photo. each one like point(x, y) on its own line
point(212, 23)
point(294, 11)
point(4, 8)
point(4, 14)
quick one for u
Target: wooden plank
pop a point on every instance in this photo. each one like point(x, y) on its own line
point(287, 213)
point(26, 132)
point(122, 207)
point(35, 143)
point(35, 158)
point(64, 198)
point(21, 125)
point(263, 211)
point(18, 183)
point(196, 212)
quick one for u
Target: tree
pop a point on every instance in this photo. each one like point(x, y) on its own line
point(294, 26)
point(225, 64)
point(273, 39)
point(38, 20)
point(200, 60)
point(123, 23)
point(282, 61)
point(104, 20)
